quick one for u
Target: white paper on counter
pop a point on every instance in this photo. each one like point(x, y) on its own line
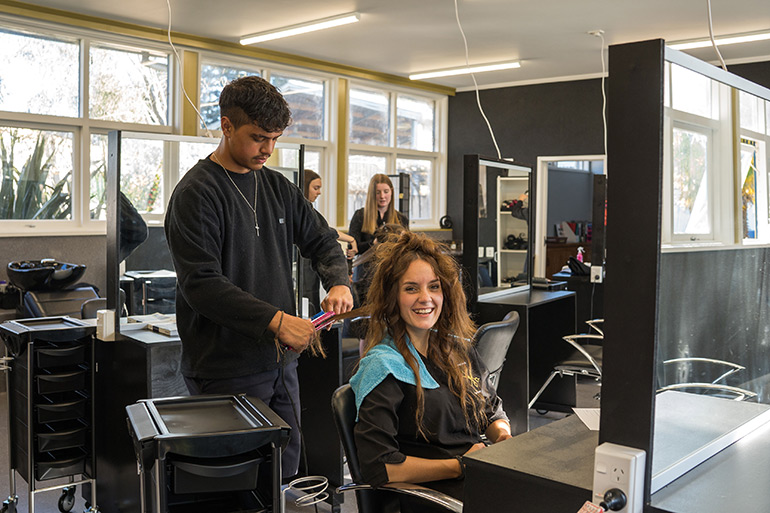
point(589, 416)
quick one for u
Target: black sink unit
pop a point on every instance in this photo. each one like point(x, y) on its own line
point(208, 453)
point(50, 390)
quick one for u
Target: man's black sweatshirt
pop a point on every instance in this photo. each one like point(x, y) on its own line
point(231, 280)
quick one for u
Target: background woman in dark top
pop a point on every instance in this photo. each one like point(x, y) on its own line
point(311, 188)
point(420, 388)
point(378, 211)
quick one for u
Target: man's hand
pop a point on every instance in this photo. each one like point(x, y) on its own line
point(294, 331)
point(339, 300)
point(352, 249)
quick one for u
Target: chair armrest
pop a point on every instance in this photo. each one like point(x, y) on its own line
point(441, 499)
point(741, 394)
point(571, 340)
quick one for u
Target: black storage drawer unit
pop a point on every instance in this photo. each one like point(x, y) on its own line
point(49, 396)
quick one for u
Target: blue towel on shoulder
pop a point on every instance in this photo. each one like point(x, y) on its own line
point(384, 359)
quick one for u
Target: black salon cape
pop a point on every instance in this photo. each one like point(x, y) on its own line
point(231, 282)
point(386, 431)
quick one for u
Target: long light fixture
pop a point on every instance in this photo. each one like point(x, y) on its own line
point(302, 28)
point(721, 41)
point(465, 70)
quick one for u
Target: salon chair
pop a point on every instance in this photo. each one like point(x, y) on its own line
point(89, 308)
point(384, 499)
point(585, 359)
point(492, 342)
point(705, 376)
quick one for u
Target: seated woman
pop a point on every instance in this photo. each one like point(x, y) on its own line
point(420, 394)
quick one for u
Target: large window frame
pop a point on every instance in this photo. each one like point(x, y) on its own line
point(392, 153)
point(82, 126)
point(718, 128)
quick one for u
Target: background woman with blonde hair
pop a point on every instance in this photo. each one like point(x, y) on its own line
point(420, 388)
point(378, 210)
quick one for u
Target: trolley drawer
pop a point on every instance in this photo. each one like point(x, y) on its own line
point(60, 355)
point(66, 406)
point(61, 435)
point(51, 465)
point(50, 382)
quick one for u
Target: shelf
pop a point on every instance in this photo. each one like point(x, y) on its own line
point(513, 251)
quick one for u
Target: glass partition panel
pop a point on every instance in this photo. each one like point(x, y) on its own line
point(712, 364)
point(142, 171)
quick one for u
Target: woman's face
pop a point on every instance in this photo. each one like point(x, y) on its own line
point(384, 195)
point(420, 297)
point(314, 190)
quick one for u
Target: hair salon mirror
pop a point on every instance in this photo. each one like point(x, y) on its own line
point(143, 170)
point(497, 226)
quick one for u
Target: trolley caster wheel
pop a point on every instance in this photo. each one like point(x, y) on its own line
point(9, 505)
point(90, 509)
point(542, 412)
point(67, 499)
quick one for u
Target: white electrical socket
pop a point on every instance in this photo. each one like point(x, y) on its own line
point(490, 251)
point(481, 251)
point(617, 466)
point(597, 274)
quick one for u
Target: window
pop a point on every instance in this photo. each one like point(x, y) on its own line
point(692, 206)
point(307, 100)
point(411, 148)
point(128, 85)
point(54, 146)
point(39, 74)
point(698, 124)
point(37, 173)
point(214, 77)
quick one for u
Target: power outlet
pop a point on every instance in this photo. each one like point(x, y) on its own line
point(490, 251)
point(481, 251)
point(620, 467)
point(597, 274)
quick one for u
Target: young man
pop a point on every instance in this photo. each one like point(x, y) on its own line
point(231, 224)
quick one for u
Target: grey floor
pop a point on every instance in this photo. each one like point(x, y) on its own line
point(47, 501)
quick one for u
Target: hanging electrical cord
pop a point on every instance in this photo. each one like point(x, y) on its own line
point(181, 81)
point(475, 84)
point(711, 36)
point(600, 33)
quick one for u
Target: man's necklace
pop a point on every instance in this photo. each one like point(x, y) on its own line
point(254, 208)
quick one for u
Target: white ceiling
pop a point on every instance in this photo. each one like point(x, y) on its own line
point(400, 37)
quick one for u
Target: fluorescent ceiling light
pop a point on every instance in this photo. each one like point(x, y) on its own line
point(465, 70)
point(720, 41)
point(293, 30)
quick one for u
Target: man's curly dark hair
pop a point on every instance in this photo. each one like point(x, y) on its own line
point(254, 100)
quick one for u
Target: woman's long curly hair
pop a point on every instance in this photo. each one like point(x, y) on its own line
point(451, 339)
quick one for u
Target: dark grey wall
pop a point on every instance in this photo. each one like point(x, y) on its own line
point(528, 121)
point(569, 197)
point(88, 250)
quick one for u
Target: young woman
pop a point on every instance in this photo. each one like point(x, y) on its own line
point(379, 210)
point(420, 393)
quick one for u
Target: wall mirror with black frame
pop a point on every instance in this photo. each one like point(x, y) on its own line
point(498, 209)
point(142, 171)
